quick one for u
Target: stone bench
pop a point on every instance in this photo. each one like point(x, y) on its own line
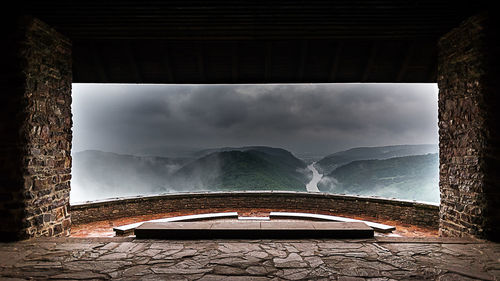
point(376, 226)
point(252, 230)
point(129, 228)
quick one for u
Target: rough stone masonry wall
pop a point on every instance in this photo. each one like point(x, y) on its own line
point(468, 130)
point(36, 132)
point(198, 203)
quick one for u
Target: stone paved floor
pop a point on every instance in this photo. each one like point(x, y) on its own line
point(382, 258)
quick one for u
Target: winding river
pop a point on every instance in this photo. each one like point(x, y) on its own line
point(312, 186)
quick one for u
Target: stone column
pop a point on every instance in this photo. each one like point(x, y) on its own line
point(35, 130)
point(468, 79)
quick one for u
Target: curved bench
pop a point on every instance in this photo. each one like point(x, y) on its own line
point(126, 229)
point(376, 226)
point(129, 228)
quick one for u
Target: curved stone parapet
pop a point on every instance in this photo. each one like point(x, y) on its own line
point(407, 212)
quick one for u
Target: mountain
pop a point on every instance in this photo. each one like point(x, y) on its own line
point(409, 177)
point(262, 168)
point(98, 174)
point(333, 161)
point(277, 154)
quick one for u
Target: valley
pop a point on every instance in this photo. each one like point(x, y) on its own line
point(404, 172)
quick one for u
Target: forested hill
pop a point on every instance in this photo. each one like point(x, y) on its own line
point(243, 170)
point(409, 177)
point(335, 160)
point(273, 154)
point(99, 175)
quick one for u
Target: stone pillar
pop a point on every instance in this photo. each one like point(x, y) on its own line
point(35, 130)
point(468, 80)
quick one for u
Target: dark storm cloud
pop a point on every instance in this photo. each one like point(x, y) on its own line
point(318, 118)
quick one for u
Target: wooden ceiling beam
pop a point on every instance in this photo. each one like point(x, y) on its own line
point(370, 61)
point(134, 63)
point(234, 62)
point(167, 64)
point(406, 61)
point(432, 72)
point(303, 59)
point(201, 63)
point(104, 65)
point(268, 61)
point(335, 62)
point(99, 65)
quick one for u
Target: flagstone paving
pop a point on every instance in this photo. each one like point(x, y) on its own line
point(382, 258)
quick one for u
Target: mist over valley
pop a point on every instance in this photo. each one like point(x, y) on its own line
point(132, 140)
point(101, 175)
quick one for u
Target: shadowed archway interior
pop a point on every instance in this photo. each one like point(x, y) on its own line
point(52, 44)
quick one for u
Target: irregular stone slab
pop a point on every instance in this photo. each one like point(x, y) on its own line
point(99, 266)
point(232, 278)
point(129, 247)
point(294, 274)
point(454, 277)
point(111, 246)
point(137, 270)
point(314, 261)
point(40, 264)
point(113, 256)
point(167, 246)
point(350, 278)
point(474, 273)
point(76, 246)
point(260, 270)
point(83, 275)
point(238, 247)
point(293, 260)
point(276, 253)
point(176, 270)
point(228, 270)
point(184, 253)
point(258, 254)
point(149, 253)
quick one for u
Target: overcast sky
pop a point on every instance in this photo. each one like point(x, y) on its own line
point(314, 119)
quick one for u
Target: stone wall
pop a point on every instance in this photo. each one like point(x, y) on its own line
point(35, 161)
point(408, 212)
point(468, 130)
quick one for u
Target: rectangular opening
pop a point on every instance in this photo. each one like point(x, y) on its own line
point(357, 139)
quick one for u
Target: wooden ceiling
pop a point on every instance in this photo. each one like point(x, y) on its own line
point(222, 41)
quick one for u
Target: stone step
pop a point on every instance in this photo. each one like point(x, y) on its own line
point(252, 230)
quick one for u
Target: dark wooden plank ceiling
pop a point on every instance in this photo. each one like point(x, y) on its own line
point(224, 41)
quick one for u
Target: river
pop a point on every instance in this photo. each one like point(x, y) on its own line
point(312, 186)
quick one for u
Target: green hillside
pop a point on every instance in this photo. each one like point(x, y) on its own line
point(335, 160)
point(243, 170)
point(99, 175)
point(275, 155)
point(410, 177)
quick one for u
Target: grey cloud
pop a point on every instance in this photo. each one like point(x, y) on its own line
point(318, 118)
